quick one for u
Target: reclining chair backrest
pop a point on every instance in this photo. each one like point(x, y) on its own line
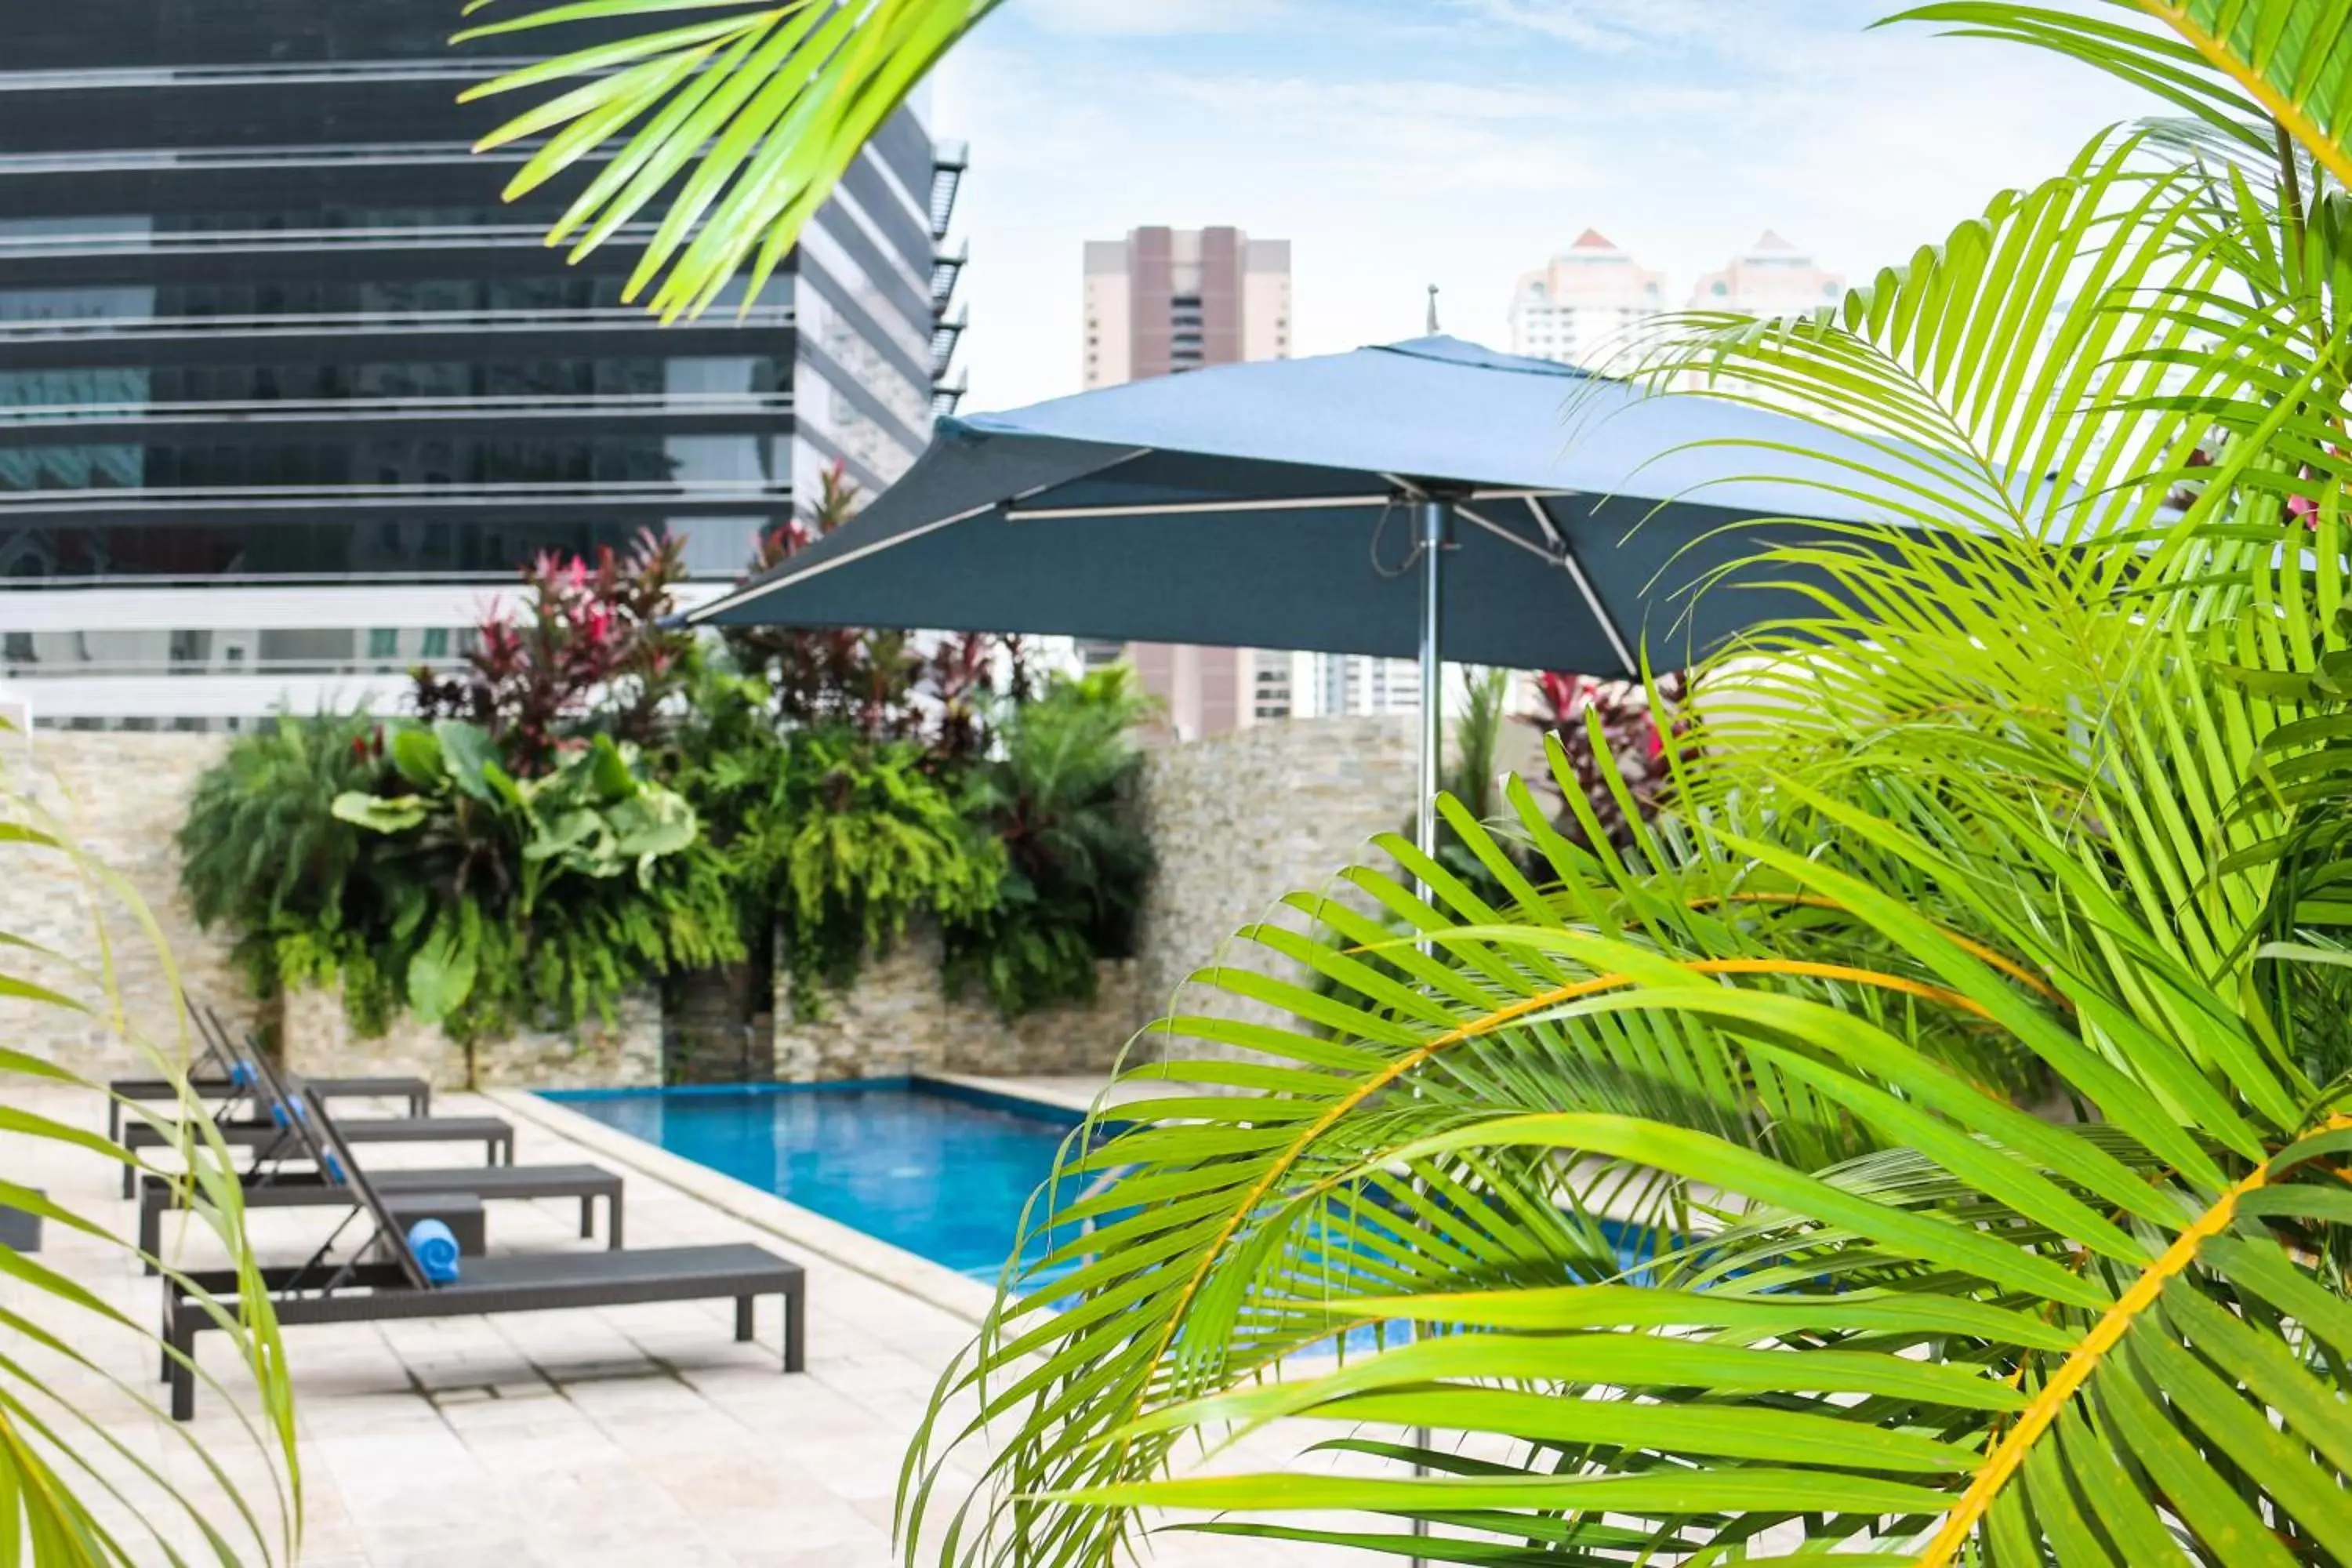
point(336, 1160)
point(282, 1094)
point(236, 1066)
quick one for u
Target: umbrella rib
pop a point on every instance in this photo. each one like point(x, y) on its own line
point(1563, 556)
point(758, 591)
point(1171, 508)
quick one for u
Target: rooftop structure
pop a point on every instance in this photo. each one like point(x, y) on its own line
point(1577, 306)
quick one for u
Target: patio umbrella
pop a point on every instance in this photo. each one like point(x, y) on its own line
point(1426, 499)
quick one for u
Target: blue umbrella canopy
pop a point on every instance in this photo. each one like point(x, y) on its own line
point(1273, 504)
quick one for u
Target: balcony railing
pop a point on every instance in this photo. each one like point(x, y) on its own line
point(359, 410)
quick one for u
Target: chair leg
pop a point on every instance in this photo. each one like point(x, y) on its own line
point(612, 1222)
point(150, 1231)
point(184, 1390)
point(129, 1179)
point(743, 1318)
point(795, 1330)
point(587, 1217)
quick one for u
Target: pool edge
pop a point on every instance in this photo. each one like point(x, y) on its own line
point(911, 1273)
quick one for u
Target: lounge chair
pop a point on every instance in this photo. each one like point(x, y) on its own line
point(322, 1292)
point(270, 1185)
point(270, 1132)
point(229, 1077)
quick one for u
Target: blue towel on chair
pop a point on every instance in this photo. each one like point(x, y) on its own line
point(241, 1074)
point(436, 1250)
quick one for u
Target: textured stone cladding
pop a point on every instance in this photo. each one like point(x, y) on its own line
point(118, 799)
point(1236, 821)
point(1243, 819)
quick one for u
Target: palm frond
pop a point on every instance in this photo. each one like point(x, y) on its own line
point(2240, 65)
point(70, 1475)
point(734, 128)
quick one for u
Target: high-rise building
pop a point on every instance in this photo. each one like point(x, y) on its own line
point(1578, 307)
point(287, 390)
point(1770, 277)
point(1160, 302)
point(1168, 299)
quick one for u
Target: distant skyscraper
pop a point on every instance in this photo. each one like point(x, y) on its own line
point(1577, 307)
point(1169, 300)
point(1159, 302)
point(1772, 278)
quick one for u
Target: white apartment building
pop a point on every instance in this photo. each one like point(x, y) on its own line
point(1579, 306)
point(1770, 277)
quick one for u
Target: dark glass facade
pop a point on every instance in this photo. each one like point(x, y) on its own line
point(263, 316)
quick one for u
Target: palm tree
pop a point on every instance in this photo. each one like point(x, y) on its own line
point(1927, 1140)
point(79, 1487)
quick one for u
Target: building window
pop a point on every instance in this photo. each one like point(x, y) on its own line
point(437, 643)
point(383, 642)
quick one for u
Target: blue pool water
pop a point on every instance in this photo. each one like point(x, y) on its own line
point(941, 1171)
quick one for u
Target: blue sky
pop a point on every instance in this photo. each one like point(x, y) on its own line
point(1403, 142)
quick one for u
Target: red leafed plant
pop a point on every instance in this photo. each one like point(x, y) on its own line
point(588, 641)
point(879, 684)
point(1629, 733)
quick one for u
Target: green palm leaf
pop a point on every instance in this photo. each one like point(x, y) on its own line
point(736, 127)
point(2241, 65)
point(77, 1487)
point(1918, 1142)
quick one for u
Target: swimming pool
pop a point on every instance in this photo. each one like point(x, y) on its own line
point(935, 1168)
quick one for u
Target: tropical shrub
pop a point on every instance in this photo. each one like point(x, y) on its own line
point(943, 690)
point(846, 837)
point(79, 1487)
point(262, 852)
point(536, 900)
point(1061, 799)
point(1616, 750)
point(433, 879)
point(588, 653)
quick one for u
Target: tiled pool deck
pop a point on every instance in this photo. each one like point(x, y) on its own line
point(637, 1435)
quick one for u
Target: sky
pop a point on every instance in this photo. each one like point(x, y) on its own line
point(1397, 143)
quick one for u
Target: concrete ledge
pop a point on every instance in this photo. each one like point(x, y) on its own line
point(811, 1232)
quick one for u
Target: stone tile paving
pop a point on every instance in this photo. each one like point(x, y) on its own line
point(638, 1435)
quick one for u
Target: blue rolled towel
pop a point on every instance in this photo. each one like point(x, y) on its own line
point(436, 1250)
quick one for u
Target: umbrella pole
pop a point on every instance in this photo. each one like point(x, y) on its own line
point(1436, 514)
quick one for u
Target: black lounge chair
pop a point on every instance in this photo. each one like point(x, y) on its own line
point(271, 1185)
point(221, 1071)
point(269, 1130)
point(322, 1291)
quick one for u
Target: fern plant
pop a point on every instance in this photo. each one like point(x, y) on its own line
point(1062, 800)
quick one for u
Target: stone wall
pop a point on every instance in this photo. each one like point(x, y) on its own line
point(1240, 820)
point(118, 799)
point(896, 1018)
point(1236, 821)
point(318, 1038)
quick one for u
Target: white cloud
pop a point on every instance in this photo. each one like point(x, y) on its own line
point(1393, 153)
point(1611, 26)
point(1129, 17)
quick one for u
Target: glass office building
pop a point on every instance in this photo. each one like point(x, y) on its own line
point(285, 390)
